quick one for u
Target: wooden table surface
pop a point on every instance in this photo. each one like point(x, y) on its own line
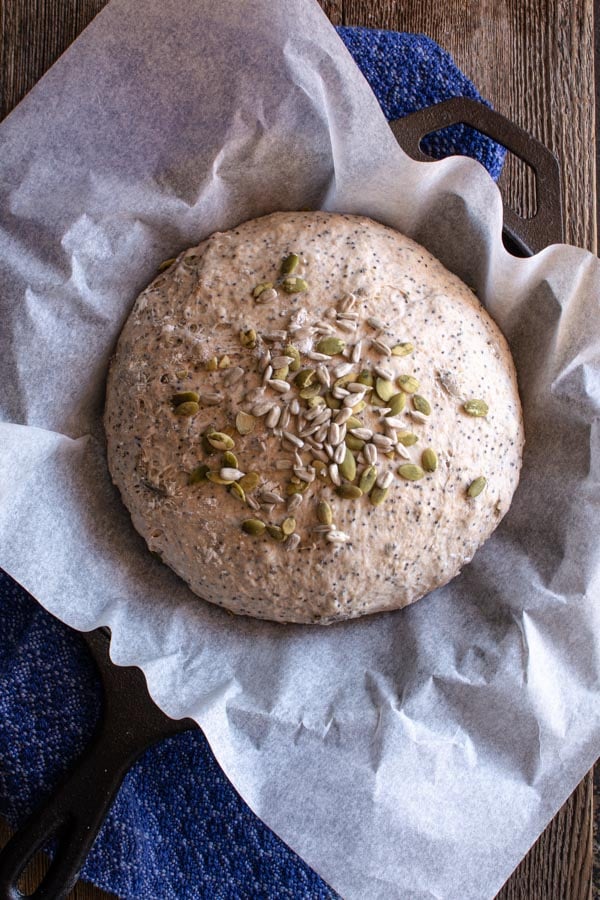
point(534, 59)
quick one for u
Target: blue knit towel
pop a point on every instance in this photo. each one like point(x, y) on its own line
point(177, 828)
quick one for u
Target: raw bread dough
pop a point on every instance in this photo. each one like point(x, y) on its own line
point(367, 285)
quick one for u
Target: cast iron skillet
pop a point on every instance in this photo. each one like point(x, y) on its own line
point(131, 722)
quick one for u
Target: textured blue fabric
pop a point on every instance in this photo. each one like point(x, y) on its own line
point(177, 828)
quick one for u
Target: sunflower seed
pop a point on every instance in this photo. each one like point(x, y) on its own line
point(324, 328)
point(294, 502)
point(307, 475)
point(210, 398)
point(340, 453)
point(365, 434)
point(353, 400)
point(419, 416)
point(312, 414)
point(380, 440)
point(339, 392)
point(319, 455)
point(274, 336)
point(267, 373)
point(284, 421)
point(324, 416)
point(281, 386)
point(321, 433)
point(329, 450)
point(374, 322)
point(402, 451)
point(334, 434)
point(278, 362)
point(293, 439)
point(323, 376)
point(306, 432)
point(337, 537)
point(357, 352)
point(267, 296)
point(347, 302)
point(262, 408)
point(342, 369)
point(284, 462)
point(252, 503)
point(348, 316)
point(334, 474)
point(254, 395)
point(322, 529)
point(342, 416)
point(381, 347)
point(293, 540)
point(349, 327)
point(385, 480)
point(294, 407)
point(355, 387)
point(232, 376)
point(393, 422)
point(273, 416)
point(270, 497)
point(370, 454)
point(231, 474)
point(318, 357)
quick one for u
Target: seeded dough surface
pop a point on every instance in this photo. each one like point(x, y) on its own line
point(392, 292)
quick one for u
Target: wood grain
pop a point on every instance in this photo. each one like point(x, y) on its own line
point(534, 59)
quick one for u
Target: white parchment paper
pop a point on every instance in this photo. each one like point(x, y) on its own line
point(415, 754)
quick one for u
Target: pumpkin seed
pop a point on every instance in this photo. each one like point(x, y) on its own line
point(358, 407)
point(217, 478)
point(253, 527)
point(248, 338)
point(245, 423)
point(402, 349)
point(250, 481)
point(294, 285)
point(225, 362)
point(237, 491)
point(410, 472)
point(408, 383)
point(375, 400)
point(324, 513)
point(330, 346)
point(185, 397)
point(263, 286)
point(429, 460)
point(276, 532)
point(384, 388)
point(407, 438)
point(396, 403)
point(181, 374)
point(190, 408)
point(313, 402)
point(366, 378)
point(353, 443)
point(421, 404)
point(332, 402)
point(288, 526)
point(292, 351)
point(230, 460)
point(220, 441)
point(212, 364)
point(477, 408)
point(289, 264)
point(296, 488)
point(166, 264)
point(368, 479)
point(311, 391)
point(348, 465)
point(305, 377)
point(349, 491)
point(353, 422)
point(345, 379)
point(378, 495)
point(476, 487)
point(198, 475)
point(281, 374)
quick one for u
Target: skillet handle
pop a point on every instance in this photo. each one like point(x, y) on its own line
point(523, 237)
point(74, 813)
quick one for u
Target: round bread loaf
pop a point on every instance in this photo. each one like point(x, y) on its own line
point(310, 419)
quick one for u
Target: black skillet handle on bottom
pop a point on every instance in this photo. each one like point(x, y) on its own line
point(74, 813)
point(522, 237)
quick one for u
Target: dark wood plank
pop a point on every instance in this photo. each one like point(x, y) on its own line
point(534, 60)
